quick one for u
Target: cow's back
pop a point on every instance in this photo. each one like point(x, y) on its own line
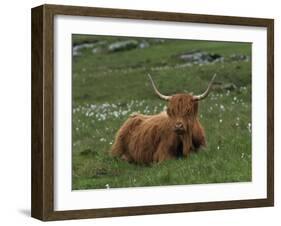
point(145, 135)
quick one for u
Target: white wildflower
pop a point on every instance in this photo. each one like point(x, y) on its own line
point(250, 127)
point(115, 113)
point(124, 112)
point(102, 139)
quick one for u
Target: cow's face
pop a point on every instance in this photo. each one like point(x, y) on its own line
point(182, 111)
point(182, 108)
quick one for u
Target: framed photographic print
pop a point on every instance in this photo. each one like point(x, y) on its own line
point(141, 112)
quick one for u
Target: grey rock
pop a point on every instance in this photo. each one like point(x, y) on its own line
point(239, 57)
point(76, 50)
point(143, 45)
point(123, 45)
point(224, 86)
point(200, 58)
point(96, 47)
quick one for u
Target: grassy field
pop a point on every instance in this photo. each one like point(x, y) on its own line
point(110, 83)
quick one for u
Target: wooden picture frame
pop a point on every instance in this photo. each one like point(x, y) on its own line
point(42, 204)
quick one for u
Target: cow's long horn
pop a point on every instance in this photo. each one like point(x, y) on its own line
point(206, 93)
point(156, 91)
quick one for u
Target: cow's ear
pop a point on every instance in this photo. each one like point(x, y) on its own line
point(195, 100)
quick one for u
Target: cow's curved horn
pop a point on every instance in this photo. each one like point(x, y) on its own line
point(156, 91)
point(206, 93)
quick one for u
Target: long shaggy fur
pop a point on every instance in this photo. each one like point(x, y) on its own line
point(152, 138)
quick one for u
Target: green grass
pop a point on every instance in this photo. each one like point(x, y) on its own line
point(108, 87)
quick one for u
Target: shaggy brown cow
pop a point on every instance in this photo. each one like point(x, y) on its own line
point(169, 134)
